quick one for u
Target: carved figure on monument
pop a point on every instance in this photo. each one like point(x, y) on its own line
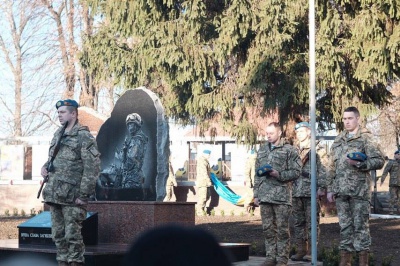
point(134, 147)
point(132, 153)
point(126, 172)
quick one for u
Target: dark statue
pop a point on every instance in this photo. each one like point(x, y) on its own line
point(134, 147)
point(126, 171)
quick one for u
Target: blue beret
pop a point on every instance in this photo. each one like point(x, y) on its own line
point(357, 156)
point(67, 102)
point(302, 124)
point(206, 151)
point(264, 170)
point(396, 152)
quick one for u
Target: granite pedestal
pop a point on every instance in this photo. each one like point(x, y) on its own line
point(119, 223)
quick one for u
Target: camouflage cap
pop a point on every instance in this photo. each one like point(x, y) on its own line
point(67, 102)
point(134, 118)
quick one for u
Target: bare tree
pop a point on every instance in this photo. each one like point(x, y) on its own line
point(22, 102)
point(73, 23)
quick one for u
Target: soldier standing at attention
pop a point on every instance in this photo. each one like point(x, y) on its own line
point(71, 183)
point(353, 154)
point(393, 167)
point(273, 193)
point(203, 179)
point(302, 193)
point(171, 182)
point(249, 173)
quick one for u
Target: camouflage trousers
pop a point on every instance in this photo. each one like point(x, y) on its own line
point(275, 225)
point(394, 201)
point(169, 192)
point(66, 232)
point(203, 196)
point(301, 213)
point(354, 223)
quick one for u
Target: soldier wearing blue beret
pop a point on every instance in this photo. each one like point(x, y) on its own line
point(72, 170)
point(353, 155)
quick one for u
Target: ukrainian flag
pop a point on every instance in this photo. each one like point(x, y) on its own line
point(226, 193)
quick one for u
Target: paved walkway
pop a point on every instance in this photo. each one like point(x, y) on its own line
point(256, 261)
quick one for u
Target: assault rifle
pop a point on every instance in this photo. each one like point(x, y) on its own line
point(50, 166)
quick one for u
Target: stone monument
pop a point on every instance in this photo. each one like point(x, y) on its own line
point(134, 164)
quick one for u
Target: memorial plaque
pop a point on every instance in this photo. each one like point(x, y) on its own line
point(37, 230)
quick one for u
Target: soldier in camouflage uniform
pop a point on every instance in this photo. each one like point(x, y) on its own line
point(273, 193)
point(302, 192)
point(349, 184)
point(203, 179)
point(249, 173)
point(171, 183)
point(393, 167)
point(71, 183)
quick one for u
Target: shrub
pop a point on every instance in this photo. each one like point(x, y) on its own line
point(7, 212)
point(15, 212)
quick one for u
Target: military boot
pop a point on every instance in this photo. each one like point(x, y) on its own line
point(269, 262)
point(345, 258)
point(63, 263)
point(363, 258)
point(301, 251)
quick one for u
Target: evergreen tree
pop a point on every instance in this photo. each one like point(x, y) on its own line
point(232, 61)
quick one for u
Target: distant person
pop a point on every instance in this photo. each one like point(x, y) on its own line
point(171, 183)
point(249, 173)
point(393, 168)
point(277, 165)
point(203, 179)
point(353, 155)
point(301, 210)
point(72, 181)
point(173, 245)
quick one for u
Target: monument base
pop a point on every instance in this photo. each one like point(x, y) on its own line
point(123, 221)
point(119, 223)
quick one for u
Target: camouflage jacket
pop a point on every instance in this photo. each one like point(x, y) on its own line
point(284, 159)
point(344, 179)
point(203, 178)
point(392, 167)
point(250, 171)
point(302, 186)
point(76, 167)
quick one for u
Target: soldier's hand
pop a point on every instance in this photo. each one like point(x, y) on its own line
point(351, 162)
point(320, 192)
point(330, 196)
point(256, 202)
point(81, 202)
point(44, 172)
point(274, 173)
